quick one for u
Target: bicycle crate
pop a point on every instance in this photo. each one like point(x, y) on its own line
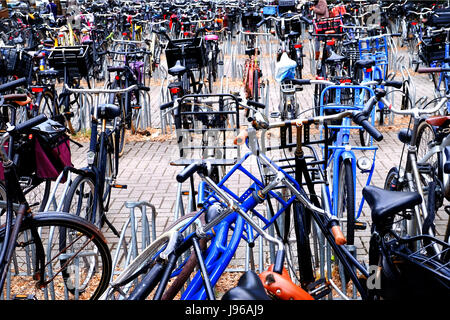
point(433, 49)
point(439, 18)
point(328, 25)
point(250, 20)
point(77, 59)
point(285, 6)
point(24, 67)
point(269, 10)
point(206, 126)
point(194, 53)
point(9, 59)
point(417, 259)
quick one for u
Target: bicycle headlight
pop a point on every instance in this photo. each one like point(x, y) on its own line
point(364, 163)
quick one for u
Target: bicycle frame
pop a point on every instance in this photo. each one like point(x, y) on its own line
point(342, 148)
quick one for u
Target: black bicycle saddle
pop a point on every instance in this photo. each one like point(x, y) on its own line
point(386, 203)
point(249, 287)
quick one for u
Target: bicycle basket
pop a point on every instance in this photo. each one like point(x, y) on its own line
point(24, 66)
point(194, 53)
point(433, 49)
point(52, 149)
point(9, 60)
point(328, 25)
point(250, 20)
point(77, 59)
point(286, 6)
point(439, 18)
point(421, 269)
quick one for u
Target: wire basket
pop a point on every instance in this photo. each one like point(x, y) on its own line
point(431, 264)
point(194, 53)
point(328, 25)
point(24, 67)
point(77, 60)
point(9, 59)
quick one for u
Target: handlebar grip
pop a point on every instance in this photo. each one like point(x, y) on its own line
point(428, 70)
point(241, 137)
point(166, 105)
point(279, 262)
point(13, 84)
point(144, 88)
point(306, 20)
point(300, 81)
point(188, 171)
point(21, 127)
point(256, 104)
point(377, 135)
point(393, 83)
point(447, 160)
point(339, 237)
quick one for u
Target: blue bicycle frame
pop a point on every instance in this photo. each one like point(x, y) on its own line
point(342, 149)
point(221, 251)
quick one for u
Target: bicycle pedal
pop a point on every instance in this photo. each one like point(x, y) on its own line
point(319, 289)
point(186, 193)
point(119, 186)
point(359, 225)
point(24, 297)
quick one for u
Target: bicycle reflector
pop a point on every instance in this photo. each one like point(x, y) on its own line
point(297, 46)
point(174, 90)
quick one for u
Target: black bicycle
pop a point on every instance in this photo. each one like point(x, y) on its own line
point(48, 255)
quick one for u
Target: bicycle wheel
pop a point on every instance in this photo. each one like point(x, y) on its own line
point(121, 287)
point(119, 122)
point(298, 250)
point(256, 85)
point(80, 199)
point(37, 192)
point(47, 105)
point(346, 200)
point(107, 165)
point(70, 253)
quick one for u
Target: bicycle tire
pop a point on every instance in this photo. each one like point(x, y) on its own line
point(144, 261)
point(91, 253)
point(81, 190)
point(255, 85)
point(302, 245)
point(47, 105)
point(346, 200)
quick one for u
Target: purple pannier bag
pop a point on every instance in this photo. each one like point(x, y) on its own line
point(52, 150)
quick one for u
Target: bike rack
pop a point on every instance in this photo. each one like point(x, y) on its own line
point(128, 245)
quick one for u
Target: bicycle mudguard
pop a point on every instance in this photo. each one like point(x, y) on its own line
point(282, 286)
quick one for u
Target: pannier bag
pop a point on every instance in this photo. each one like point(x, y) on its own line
point(52, 149)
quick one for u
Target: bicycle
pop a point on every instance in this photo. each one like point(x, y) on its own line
point(44, 249)
point(424, 170)
point(153, 268)
point(89, 194)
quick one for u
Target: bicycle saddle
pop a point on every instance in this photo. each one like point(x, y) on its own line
point(335, 58)
point(177, 69)
point(107, 111)
point(385, 203)
point(438, 121)
point(365, 63)
point(249, 287)
point(293, 34)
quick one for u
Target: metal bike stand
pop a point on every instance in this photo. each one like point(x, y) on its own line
point(127, 250)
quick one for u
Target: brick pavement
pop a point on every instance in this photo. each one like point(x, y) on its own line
point(145, 168)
